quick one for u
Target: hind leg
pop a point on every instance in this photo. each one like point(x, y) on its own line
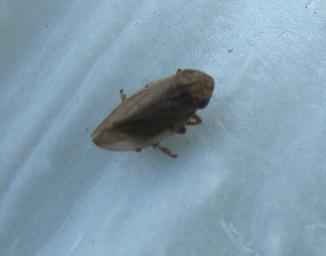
point(165, 150)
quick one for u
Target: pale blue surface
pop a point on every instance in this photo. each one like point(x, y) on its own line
point(250, 181)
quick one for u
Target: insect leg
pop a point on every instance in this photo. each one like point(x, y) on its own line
point(194, 119)
point(122, 95)
point(165, 150)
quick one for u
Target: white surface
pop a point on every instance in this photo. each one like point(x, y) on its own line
point(250, 181)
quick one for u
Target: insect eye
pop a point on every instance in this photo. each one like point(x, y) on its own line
point(202, 103)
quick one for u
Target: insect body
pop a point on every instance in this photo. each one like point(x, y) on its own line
point(161, 109)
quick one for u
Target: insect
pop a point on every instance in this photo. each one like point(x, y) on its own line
point(163, 108)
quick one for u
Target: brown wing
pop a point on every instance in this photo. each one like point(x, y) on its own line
point(136, 104)
point(168, 114)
